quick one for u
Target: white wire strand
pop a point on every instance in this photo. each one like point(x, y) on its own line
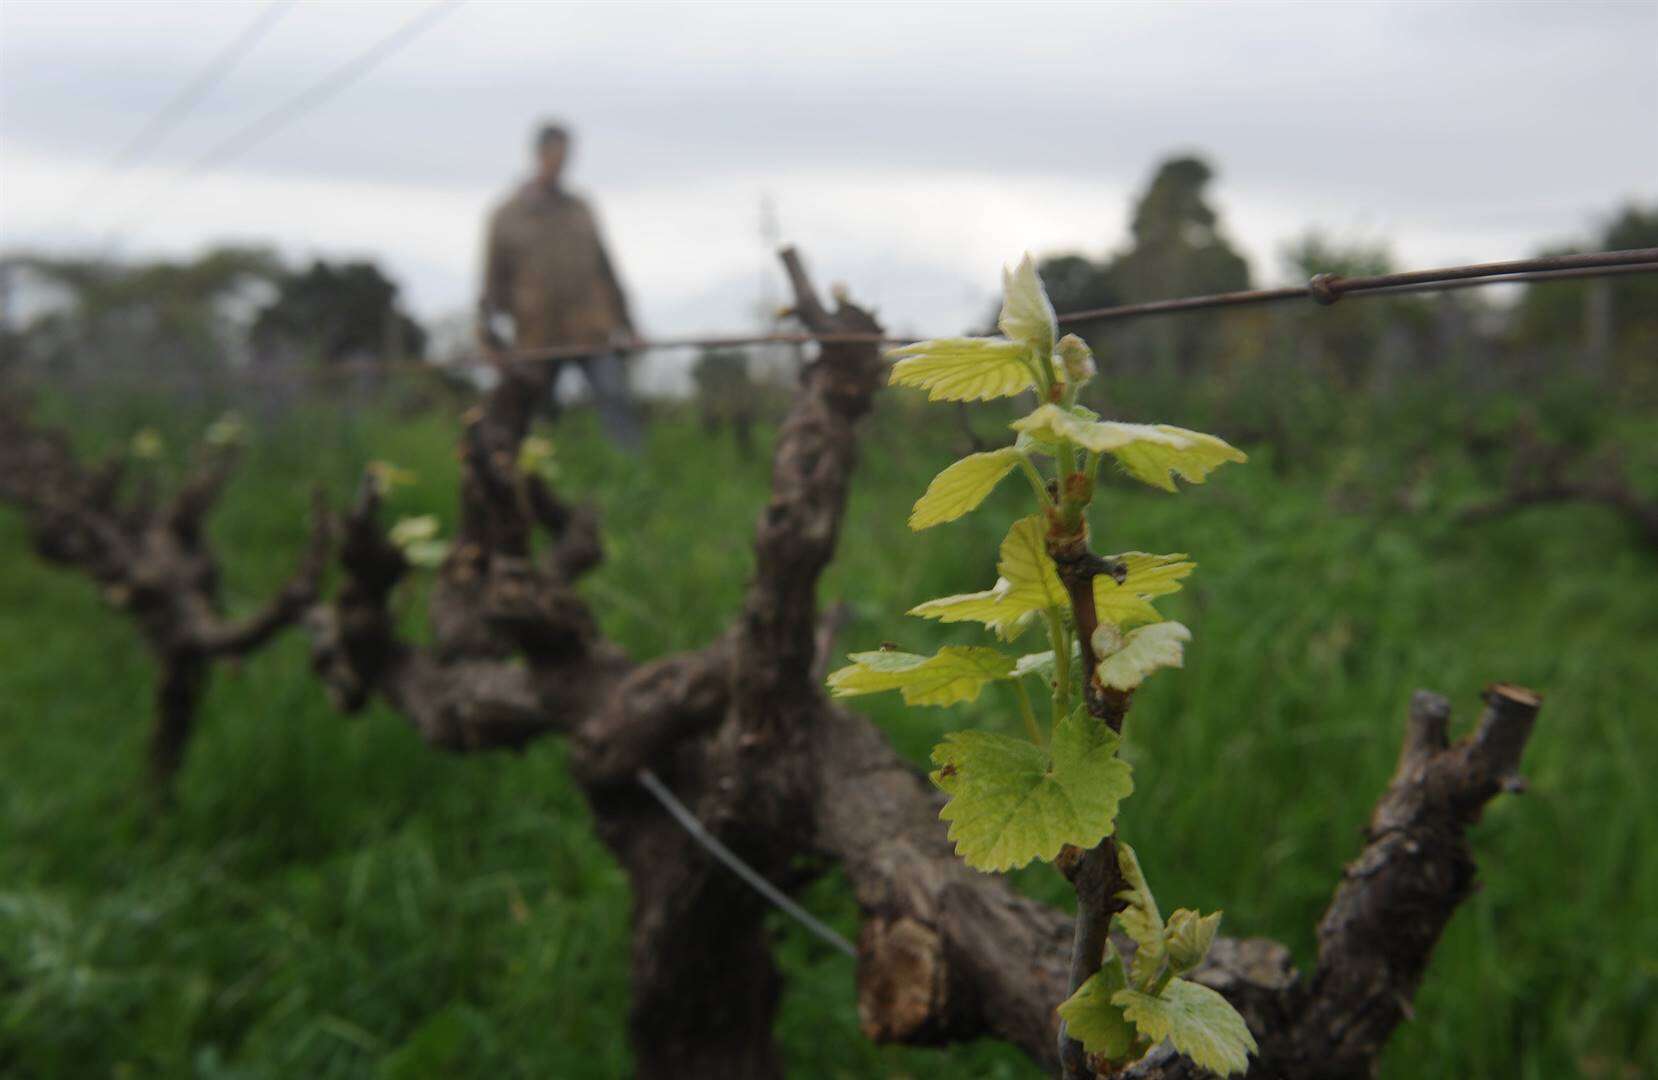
point(688, 821)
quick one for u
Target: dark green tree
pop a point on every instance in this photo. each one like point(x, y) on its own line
point(1604, 325)
point(1077, 283)
point(727, 395)
point(336, 312)
point(1178, 247)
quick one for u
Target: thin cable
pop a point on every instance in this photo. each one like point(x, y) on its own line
point(688, 821)
point(1562, 268)
point(1329, 288)
point(307, 100)
point(320, 92)
point(1600, 263)
point(162, 123)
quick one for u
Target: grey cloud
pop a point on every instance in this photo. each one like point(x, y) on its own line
point(1512, 121)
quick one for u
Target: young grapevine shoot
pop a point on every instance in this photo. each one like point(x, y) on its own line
point(1013, 800)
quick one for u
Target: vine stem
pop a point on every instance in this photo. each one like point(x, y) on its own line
point(1062, 662)
point(1037, 484)
point(1094, 873)
point(1029, 714)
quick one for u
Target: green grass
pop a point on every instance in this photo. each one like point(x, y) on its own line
point(331, 898)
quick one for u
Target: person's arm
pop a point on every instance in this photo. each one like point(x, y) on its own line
point(494, 299)
point(612, 282)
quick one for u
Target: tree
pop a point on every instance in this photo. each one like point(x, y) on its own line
point(103, 315)
point(727, 395)
point(1178, 247)
point(1077, 283)
point(333, 313)
point(1609, 325)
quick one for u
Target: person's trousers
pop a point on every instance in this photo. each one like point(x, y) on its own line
point(607, 381)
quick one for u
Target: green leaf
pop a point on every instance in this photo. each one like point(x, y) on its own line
point(1193, 459)
point(1196, 1020)
point(1076, 359)
point(428, 554)
point(989, 607)
point(409, 530)
point(1040, 664)
point(1143, 651)
point(1140, 920)
point(1029, 583)
point(1148, 576)
point(1189, 936)
point(1093, 1018)
point(1027, 316)
point(1052, 423)
point(964, 369)
point(1149, 452)
point(228, 430)
point(1025, 563)
point(417, 537)
point(955, 673)
point(147, 444)
point(537, 454)
point(387, 477)
point(962, 486)
point(1012, 801)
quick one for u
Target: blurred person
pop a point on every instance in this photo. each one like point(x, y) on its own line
point(546, 272)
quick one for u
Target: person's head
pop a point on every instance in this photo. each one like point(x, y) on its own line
point(552, 146)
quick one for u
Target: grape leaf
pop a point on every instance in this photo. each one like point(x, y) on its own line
point(964, 369)
point(147, 444)
point(955, 673)
point(989, 607)
point(1154, 461)
point(962, 486)
point(1188, 937)
point(428, 554)
point(1093, 1018)
point(1040, 664)
point(1149, 452)
point(1052, 423)
point(387, 477)
point(1076, 359)
point(1027, 315)
point(1029, 583)
point(1196, 1020)
point(1140, 919)
point(1024, 562)
point(1148, 576)
point(409, 530)
point(1143, 651)
point(1012, 801)
point(228, 430)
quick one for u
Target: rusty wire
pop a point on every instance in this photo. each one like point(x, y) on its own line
point(1323, 289)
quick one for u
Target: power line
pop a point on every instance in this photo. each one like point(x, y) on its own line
point(320, 92)
point(220, 66)
point(307, 100)
point(165, 119)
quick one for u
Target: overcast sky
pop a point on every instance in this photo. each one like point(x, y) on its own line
point(909, 148)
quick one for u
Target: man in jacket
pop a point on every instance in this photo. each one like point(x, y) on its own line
point(546, 272)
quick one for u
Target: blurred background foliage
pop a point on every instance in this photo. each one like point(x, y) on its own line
point(332, 898)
